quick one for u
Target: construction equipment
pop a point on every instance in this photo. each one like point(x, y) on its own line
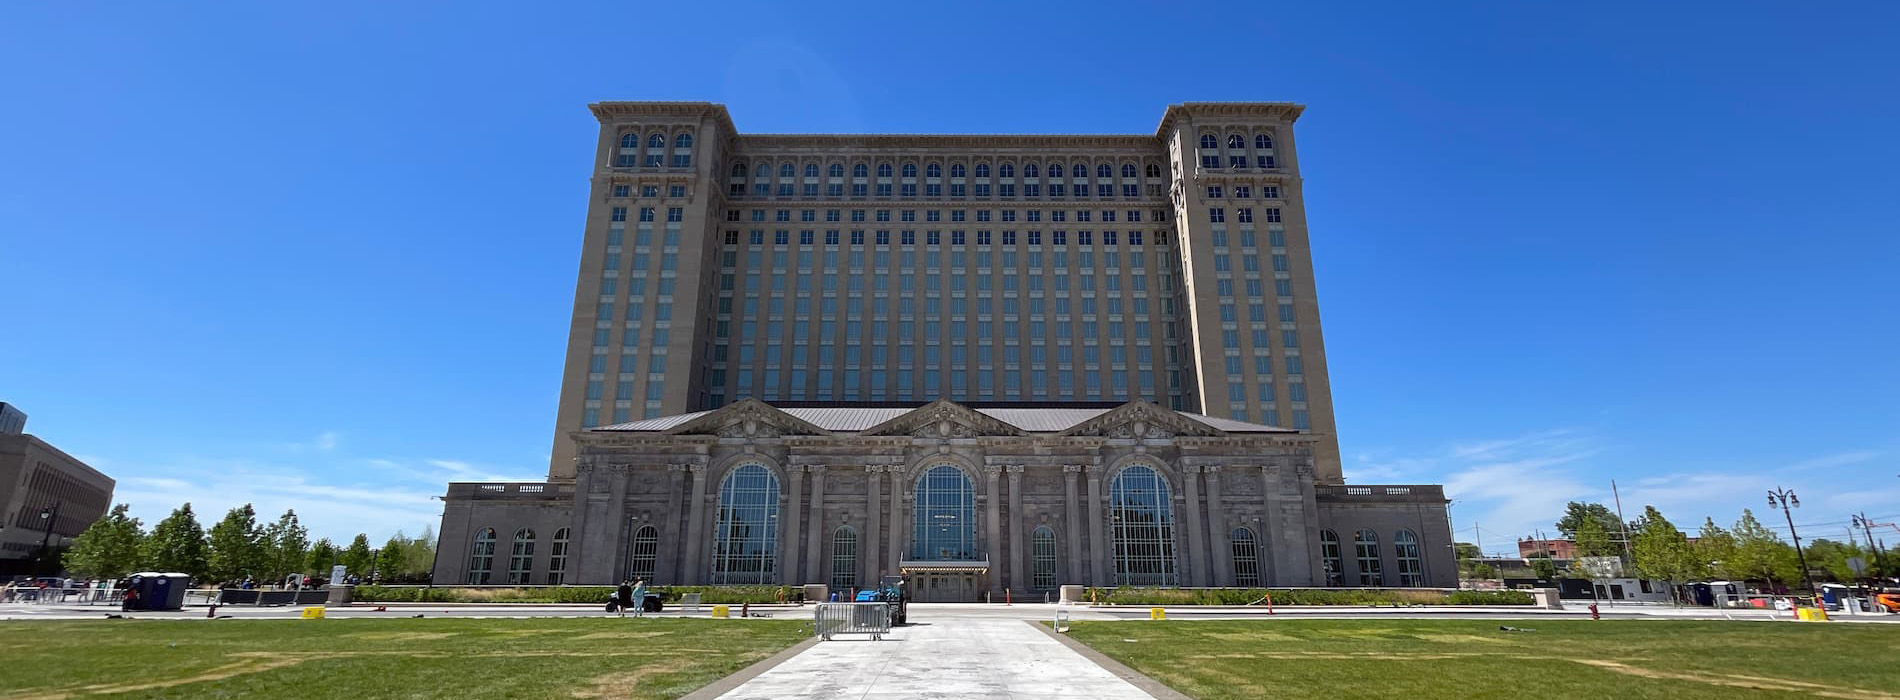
point(893, 591)
point(1889, 602)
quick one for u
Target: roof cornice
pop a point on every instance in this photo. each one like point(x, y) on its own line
point(949, 141)
point(607, 111)
point(1283, 111)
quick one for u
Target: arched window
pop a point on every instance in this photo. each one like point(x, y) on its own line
point(1030, 170)
point(745, 536)
point(630, 141)
point(738, 169)
point(836, 170)
point(763, 171)
point(933, 170)
point(1366, 546)
point(1208, 141)
point(945, 509)
point(844, 559)
point(1235, 141)
point(1006, 170)
point(481, 557)
point(860, 171)
point(956, 170)
point(643, 553)
point(910, 170)
point(521, 561)
point(1102, 172)
point(1128, 171)
point(1263, 142)
point(982, 169)
point(656, 141)
point(883, 169)
point(1329, 557)
point(557, 558)
point(785, 170)
point(811, 170)
point(1042, 559)
point(1411, 572)
point(1055, 170)
point(1154, 170)
point(683, 141)
point(1142, 516)
point(1246, 557)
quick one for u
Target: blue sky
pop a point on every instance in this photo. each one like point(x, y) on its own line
point(322, 255)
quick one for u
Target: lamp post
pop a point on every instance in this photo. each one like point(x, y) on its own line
point(1785, 499)
point(48, 516)
point(1866, 526)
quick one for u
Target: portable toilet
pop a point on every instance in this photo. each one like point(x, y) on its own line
point(1834, 595)
point(159, 591)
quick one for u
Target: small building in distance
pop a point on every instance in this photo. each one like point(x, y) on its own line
point(49, 496)
point(1529, 548)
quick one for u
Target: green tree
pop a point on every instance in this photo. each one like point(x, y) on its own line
point(1831, 556)
point(1594, 541)
point(357, 556)
point(177, 545)
point(1661, 551)
point(1716, 548)
point(1578, 512)
point(419, 557)
point(323, 555)
point(389, 559)
point(237, 546)
point(1544, 567)
point(109, 548)
point(286, 545)
point(1760, 555)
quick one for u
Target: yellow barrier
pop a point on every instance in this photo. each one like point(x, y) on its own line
point(314, 613)
point(1810, 614)
point(1157, 614)
point(721, 611)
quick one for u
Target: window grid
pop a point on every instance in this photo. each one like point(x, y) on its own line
point(844, 559)
point(521, 560)
point(643, 553)
point(1330, 556)
point(945, 524)
point(557, 558)
point(1411, 571)
point(1143, 528)
point(1366, 546)
point(1042, 553)
point(481, 559)
point(1246, 558)
point(745, 544)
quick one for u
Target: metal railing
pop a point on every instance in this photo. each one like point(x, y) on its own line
point(851, 618)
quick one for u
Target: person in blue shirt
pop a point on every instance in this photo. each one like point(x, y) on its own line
point(639, 597)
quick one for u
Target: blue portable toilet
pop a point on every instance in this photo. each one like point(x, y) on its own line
point(158, 591)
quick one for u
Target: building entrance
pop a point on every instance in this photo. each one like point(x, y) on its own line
point(946, 584)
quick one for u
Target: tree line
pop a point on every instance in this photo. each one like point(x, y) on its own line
point(239, 547)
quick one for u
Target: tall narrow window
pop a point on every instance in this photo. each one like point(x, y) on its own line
point(1329, 555)
point(945, 526)
point(844, 559)
point(1411, 572)
point(481, 558)
point(1246, 557)
point(521, 560)
point(745, 536)
point(557, 558)
point(1366, 545)
point(643, 553)
point(1042, 554)
point(1142, 515)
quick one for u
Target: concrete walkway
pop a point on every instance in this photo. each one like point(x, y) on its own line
point(940, 658)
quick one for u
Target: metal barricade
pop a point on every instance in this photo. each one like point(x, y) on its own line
point(689, 602)
point(852, 618)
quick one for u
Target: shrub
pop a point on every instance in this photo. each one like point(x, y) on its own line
point(1304, 596)
point(710, 595)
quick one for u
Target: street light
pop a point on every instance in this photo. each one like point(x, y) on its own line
point(1785, 499)
point(47, 516)
point(1866, 526)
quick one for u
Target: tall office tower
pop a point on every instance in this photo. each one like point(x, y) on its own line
point(1000, 271)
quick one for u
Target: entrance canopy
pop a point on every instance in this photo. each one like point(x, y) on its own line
point(944, 567)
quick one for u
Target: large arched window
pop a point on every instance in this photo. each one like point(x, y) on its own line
point(982, 169)
point(683, 141)
point(557, 558)
point(1029, 170)
point(481, 557)
point(1055, 170)
point(844, 559)
point(860, 171)
point(1154, 170)
point(1128, 171)
point(656, 141)
point(763, 171)
point(836, 170)
point(1329, 556)
point(1042, 559)
point(785, 170)
point(1263, 142)
point(1208, 141)
point(1235, 141)
point(933, 170)
point(1246, 557)
point(745, 538)
point(1102, 172)
point(1411, 572)
point(883, 169)
point(956, 170)
point(1366, 547)
point(910, 170)
point(1006, 170)
point(521, 560)
point(945, 510)
point(1142, 515)
point(738, 169)
point(630, 141)
point(811, 170)
point(643, 553)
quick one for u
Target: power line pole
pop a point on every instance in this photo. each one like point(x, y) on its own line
point(1785, 498)
point(1628, 556)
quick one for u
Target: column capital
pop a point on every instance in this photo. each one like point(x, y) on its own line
point(1211, 468)
point(1095, 471)
point(992, 470)
point(1191, 469)
point(816, 469)
point(1015, 470)
point(698, 469)
point(1071, 468)
point(873, 468)
point(677, 467)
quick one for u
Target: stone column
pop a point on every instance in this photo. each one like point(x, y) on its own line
point(1018, 576)
point(789, 570)
point(993, 542)
point(1098, 545)
point(1072, 508)
point(617, 532)
point(897, 518)
point(669, 570)
point(1193, 559)
point(814, 556)
point(1222, 552)
point(1303, 476)
point(696, 533)
point(873, 521)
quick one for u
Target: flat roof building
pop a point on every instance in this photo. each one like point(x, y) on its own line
point(47, 495)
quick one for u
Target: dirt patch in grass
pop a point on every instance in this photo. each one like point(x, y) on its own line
point(1462, 639)
point(621, 635)
point(622, 684)
point(1741, 681)
point(1253, 637)
point(399, 636)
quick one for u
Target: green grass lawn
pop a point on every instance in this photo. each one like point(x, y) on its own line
point(1429, 659)
point(392, 658)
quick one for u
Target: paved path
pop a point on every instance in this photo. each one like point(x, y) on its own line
point(940, 658)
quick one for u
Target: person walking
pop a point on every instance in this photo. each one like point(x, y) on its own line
point(623, 597)
point(639, 597)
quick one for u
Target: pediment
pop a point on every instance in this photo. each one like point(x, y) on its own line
point(747, 418)
point(943, 419)
point(1140, 420)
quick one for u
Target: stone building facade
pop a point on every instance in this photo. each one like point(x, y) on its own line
point(967, 501)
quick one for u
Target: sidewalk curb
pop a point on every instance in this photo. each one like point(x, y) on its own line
point(1117, 668)
point(725, 685)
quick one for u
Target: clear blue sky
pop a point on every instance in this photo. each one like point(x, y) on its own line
point(322, 256)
